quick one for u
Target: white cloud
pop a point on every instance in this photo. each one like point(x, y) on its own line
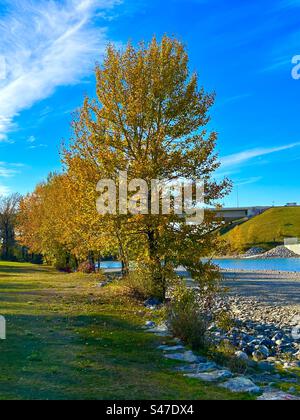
point(46, 44)
point(249, 181)
point(242, 157)
point(8, 170)
point(37, 146)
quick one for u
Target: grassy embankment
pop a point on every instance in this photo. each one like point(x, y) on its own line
point(69, 339)
point(266, 230)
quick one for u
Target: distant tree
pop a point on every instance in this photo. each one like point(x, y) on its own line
point(42, 221)
point(236, 240)
point(51, 223)
point(8, 212)
point(251, 236)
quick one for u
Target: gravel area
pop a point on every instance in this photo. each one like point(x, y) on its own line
point(252, 252)
point(279, 252)
point(269, 287)
point(266, 308)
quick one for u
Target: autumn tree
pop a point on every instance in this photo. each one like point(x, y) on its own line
point(51, 223)
point(149, 118)
point(43, 221)
point(237, 241)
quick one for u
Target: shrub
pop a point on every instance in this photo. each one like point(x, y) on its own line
point(140, 284)
point(185, 318)
point(87, 268)
point(62, 266)
point(224, 355)
point(148, 279)
point(225, 320)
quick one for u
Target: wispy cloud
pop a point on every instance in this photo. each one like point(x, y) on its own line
point(8, 170)
point(232, 99)
point(287, 45)
point(248, 181)
point(247, 155)
point(38, 146)
point(46, 44)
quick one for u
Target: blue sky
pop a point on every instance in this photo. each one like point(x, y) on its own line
point(242, 50)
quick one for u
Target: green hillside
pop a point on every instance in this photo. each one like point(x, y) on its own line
point(266, 230)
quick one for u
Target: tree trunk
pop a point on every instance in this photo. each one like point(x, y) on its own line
point(123, 256)
point(159, 280)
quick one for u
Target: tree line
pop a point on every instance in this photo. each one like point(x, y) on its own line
point(10, 248)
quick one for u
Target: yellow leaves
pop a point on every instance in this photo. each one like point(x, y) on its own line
point(148, 118)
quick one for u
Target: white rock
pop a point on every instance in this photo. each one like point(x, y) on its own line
point(206, 367)
point(160, 330)
point(277, 396)
point(241, 385)
point(242, 356)
point(171, 348)
point(214, 376)
point(187, 356)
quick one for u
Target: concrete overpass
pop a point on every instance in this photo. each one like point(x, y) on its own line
point(232, 214)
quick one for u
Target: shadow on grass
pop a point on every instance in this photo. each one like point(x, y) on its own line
point(23, 269)
point(89, 357)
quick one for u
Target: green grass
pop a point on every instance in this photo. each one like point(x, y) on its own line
point(68, 339)
point(268, 229)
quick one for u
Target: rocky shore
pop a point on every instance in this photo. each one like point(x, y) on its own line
point(266, 338)
point(263, 309)
point(261, 333)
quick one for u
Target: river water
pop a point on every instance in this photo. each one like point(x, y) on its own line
point(276, 264)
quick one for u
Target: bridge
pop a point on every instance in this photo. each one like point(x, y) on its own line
point(232, 214)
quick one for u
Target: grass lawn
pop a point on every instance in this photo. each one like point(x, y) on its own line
point(69, 339)
point(268, 229)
